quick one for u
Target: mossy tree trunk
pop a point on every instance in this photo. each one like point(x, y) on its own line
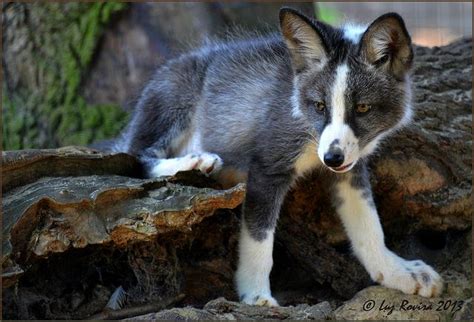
point(47, 49)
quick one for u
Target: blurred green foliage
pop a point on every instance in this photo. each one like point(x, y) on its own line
point(52, 112)
point(327, 14)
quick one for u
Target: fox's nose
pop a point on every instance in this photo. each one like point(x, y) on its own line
point(334, 158)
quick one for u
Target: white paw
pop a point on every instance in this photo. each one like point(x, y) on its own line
point(411, 277)
point(209, 163)
point(169, 167)
point(260, 300)
point(189, 162)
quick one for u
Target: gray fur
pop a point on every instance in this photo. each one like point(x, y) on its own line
point(238, 95)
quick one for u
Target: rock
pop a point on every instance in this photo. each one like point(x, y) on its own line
point(380, 303)
point(221, 309)
point(465, 314)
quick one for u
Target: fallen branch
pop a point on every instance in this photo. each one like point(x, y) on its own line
point(137, 310)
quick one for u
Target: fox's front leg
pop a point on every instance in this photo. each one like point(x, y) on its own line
point(260, 212)
point(354, 203)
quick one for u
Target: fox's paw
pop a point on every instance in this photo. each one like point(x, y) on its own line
point(209, 163)
point(260, 300)
point(169, 167)
point(189, 162)
point(412, 277)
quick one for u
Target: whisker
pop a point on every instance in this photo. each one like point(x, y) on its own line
point(312, 136)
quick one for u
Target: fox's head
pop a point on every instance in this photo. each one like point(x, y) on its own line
point(350, 84)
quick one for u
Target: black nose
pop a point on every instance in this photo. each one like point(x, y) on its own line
point(334, 158)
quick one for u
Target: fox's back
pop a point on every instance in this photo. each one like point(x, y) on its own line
point(244, 84)
point(218, 92)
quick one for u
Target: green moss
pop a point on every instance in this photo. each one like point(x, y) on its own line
point(64, 37)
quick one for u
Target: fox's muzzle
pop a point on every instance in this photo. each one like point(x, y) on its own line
point(334, 158)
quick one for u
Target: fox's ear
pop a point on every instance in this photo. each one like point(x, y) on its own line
point(386, 44)
point(303, 39)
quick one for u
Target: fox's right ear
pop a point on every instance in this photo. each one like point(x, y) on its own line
point(386, 44)
point(303, 39)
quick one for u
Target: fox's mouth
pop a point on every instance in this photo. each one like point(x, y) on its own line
point(343, 168)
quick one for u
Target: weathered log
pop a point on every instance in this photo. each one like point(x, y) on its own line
point(53, 214)
point(379, 303)
point(221, 309)
point(26, 166)
point(135, 311)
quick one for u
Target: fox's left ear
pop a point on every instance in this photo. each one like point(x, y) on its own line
point(303, 39)
point(387, 44)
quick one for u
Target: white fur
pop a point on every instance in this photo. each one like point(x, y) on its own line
point(255, 264)
point(363, 227)
point(207, 163)
point(337, 96)
point(169, 167)
point(295, 101)
point(337, 129)
point(348, 142)
point(372, 145)
point(408, 114)
point(380, 41)
point(353, 32)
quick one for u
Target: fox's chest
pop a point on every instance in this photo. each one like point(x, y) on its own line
point(307, 160)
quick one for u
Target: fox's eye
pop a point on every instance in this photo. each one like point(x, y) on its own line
point(320, 106)
point(363, 108)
